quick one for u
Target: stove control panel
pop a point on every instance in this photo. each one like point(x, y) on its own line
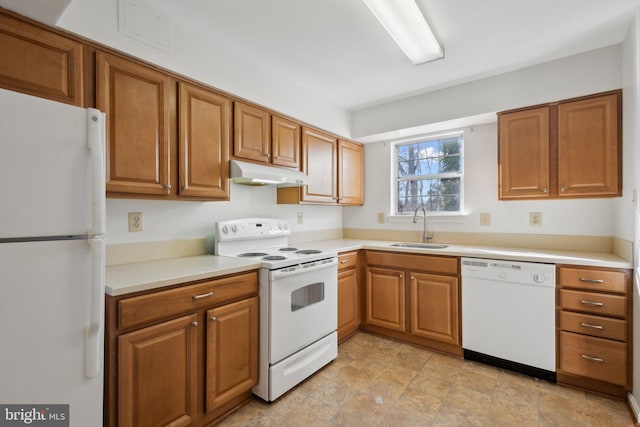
point(251, 228)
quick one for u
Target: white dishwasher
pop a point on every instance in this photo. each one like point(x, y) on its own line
point(508, 315)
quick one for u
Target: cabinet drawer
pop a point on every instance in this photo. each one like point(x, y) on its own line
point(433, 264)
point(347, 260)
point(596, 358)
point(603, 327)
point(158, 305)
point(590, 302)
point(600, 280)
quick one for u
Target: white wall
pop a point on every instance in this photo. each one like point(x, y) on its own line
point(208, 61)
point(628, 223)
point(173, 220)
point(570, 217)
point(590, 72)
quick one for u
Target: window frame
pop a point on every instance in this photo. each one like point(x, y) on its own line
point(394, 173)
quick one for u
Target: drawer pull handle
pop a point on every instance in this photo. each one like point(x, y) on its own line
point(589, 325)
point(213, 318)
point(595, 359)
point(344, 261)
point(599, 304)
point(586, 279)
point(208, 294)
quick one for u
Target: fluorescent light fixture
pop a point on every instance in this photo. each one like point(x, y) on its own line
point(405, 23)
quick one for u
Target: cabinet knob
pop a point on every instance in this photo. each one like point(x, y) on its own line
point(401, 276)
point(344, 261)
point(562, 188)
point(545, 190)
point(167, 186)
point(413, 278)
point(185, 187)
point(277, 157)
point(194, 323)
point(213, 318)
point(267, 155)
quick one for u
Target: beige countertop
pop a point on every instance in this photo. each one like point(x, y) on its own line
point(142, 276)
point(128, 278)
point(596, 259)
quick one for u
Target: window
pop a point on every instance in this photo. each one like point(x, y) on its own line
point(429, 174)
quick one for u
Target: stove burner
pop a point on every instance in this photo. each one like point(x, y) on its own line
point(274, 258)
point(288, 249)
point(252, 254)
point(308, 252)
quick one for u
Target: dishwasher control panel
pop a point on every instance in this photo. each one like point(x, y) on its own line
point(510, 271)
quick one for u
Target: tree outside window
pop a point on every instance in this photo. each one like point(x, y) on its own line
point(429, 174)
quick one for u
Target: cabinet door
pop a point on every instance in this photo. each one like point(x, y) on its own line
point(384, 296)
point(589, 149)
point(251, 136)
point(40, 63)
point(523, 154)
point(205, 130)
point(434, 307)
point(157, 378)
point(285, 140)
point(136, 100)
point(348, 303)
point(232, 351)
point(350, 173)
point(319, 162)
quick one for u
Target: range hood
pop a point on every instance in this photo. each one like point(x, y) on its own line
point(255, 174)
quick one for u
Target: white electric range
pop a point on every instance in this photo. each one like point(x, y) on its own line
point(298, 301)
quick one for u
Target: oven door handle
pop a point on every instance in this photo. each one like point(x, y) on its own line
point(300, 269)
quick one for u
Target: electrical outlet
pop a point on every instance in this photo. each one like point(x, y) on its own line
point(300, 218)
point(485, 218)
point(535, 218)
point(381, 218)
point(135, 221)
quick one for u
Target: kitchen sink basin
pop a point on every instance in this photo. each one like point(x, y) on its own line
point(420, 245)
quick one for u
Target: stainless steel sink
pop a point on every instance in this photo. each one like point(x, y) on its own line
point(420, 245)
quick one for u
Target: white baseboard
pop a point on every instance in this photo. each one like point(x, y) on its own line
point(634, 407)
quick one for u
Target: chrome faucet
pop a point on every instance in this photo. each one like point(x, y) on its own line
point(425, 236)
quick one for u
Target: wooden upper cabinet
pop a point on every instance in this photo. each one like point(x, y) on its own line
point(40, 62)
point(136, 101)
point(589, 151)
point(523, 156)
point(570, 148)
point(319, 162)
point(205, 132)
point(251, 132)
point(285, 142)
point(350, 173)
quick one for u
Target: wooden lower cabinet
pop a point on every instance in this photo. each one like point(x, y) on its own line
point(434, 307)
point(182, 366)
point(594, 329)
point(232, 351)
point(415, 298)
point(157, 382)
point(385, 299)
point(348, 295)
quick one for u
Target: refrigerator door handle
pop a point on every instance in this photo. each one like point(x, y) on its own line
point(93, 336)
point(95, 141)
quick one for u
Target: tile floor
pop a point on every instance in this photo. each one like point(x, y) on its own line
point(379, 382)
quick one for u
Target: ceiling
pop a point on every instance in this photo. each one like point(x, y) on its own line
point(338, 49)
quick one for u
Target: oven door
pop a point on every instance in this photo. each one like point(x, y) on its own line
point(303, 306)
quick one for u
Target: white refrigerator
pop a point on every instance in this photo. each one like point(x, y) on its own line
point(52, 246)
